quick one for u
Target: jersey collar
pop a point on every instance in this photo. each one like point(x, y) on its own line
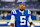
point(21, 11)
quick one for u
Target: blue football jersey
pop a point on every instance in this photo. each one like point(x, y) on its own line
point(21, 18)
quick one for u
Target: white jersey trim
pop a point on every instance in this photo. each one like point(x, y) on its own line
point(29, 19)
point(29, 12)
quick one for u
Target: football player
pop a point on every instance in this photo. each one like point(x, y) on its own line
point(20, 17)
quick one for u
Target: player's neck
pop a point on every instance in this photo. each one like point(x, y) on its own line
point(21, 10)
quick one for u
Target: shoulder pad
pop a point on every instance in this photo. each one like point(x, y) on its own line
point(14, 11)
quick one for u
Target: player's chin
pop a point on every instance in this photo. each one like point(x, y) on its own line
point(22, 9)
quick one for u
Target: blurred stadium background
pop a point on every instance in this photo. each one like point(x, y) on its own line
point(7, 5)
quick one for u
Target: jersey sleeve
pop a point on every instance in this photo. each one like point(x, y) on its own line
point(12, 20)
point(13, 12)
point(29, 19)
point(12, 17)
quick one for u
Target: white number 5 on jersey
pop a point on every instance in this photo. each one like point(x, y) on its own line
point(21, 20)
